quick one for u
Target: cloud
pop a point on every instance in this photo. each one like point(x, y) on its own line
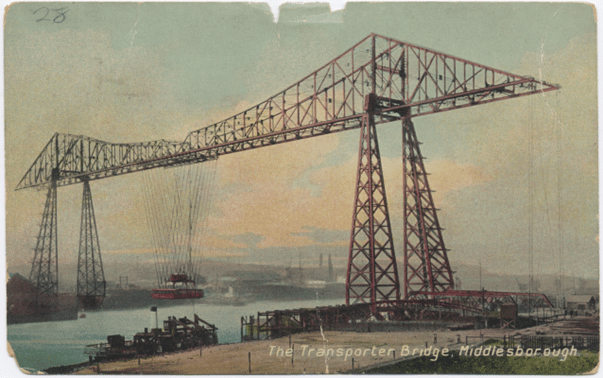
point(265, 192)
point(137, 251)
point(76, 82)
point(494, 158)
point(224, 254)
point(214, 243)
point(539, 155)
point(447, 175)
point(275, 166)
point(275, 200)
point(212, 246)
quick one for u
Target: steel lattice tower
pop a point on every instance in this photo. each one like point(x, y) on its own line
point(378, 80)
point(45, 267)
point(90, 276)
point(372, 271)
point(426, 266)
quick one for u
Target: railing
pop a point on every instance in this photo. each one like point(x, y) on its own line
point(103, 349)
point(559, 342)
point(96, 349)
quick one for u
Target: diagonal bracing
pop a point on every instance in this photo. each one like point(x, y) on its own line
point(378, 80)
point(44, 273)
point(372, 273)
point(404, 78)
point(90, 275)
point(426, 266)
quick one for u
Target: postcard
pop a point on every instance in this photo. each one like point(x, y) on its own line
point(234, 188)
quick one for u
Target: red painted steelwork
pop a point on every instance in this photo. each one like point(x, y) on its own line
point(185, 291)
point(176, 293)
point(378, 80)
point(426, 266)
point(372, 273)
point(408, 79)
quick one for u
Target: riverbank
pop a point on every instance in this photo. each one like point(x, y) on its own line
point(306, 355)
point(40, 346)
point(345, 352)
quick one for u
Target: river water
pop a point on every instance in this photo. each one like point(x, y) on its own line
point(39, 346)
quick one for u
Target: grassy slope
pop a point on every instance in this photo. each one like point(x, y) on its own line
point(493, 365)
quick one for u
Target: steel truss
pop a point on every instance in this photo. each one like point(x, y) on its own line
point(404, 78)
point(426, 266)
point(45, 265)
point(372, 273)
point(478, 299)
point(91, 283)
point(378, 80)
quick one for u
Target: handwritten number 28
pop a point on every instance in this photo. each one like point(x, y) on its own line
point(60, 14)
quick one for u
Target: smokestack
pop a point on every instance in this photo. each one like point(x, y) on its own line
point(331, 278)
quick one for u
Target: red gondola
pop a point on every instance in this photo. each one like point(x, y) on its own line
point(182, 288)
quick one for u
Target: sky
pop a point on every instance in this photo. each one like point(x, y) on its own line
point(132, 72)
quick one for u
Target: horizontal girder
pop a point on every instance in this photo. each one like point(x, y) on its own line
point(404, 79)
point(74, 158)
point(480, 294)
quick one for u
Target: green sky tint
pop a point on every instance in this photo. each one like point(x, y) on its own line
point(129, 72)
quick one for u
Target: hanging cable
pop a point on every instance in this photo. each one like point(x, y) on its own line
point(177, 204)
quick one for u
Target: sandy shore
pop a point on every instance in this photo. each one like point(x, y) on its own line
point(267, 358)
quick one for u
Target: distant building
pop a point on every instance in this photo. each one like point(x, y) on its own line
point(20, 295)
point(294, 276)
point(248, 282)
point(581, 302)
point(24, 306)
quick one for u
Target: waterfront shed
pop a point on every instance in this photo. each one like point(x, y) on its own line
point(581, 302)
